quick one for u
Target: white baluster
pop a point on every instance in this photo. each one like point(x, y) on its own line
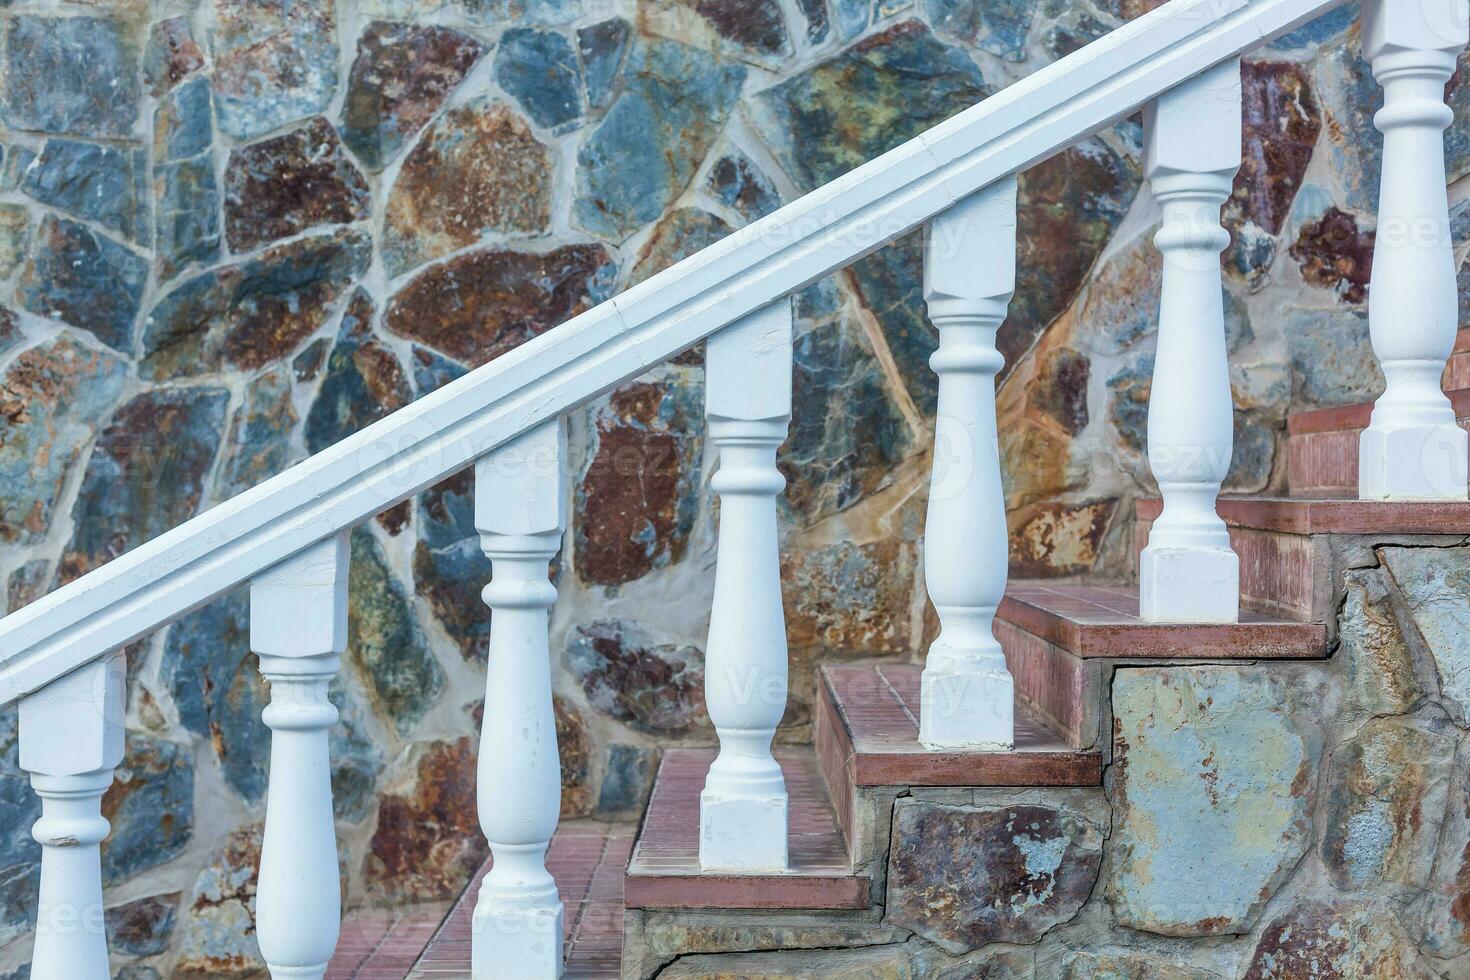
point(71, 740)
point(520, 511)
point(967, 695)
point(742, 810)
point(298, 628)
point(1412, 448)
point(1188, 572)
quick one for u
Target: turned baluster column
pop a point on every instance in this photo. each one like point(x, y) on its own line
point(71, 740)
point(742, 810)
point(298, 628)
point(967, 695)
point(1188, 572)
point(520, 511)
point(1412, 448)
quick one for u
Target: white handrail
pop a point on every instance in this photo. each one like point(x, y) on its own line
point(423, 443)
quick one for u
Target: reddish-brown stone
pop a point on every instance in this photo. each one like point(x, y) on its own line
point(428, 843)
point(476, 307)
point(574, 748)
point(849, 599)
point(637, 500)
point(172, 55)
point(400, 78)
point(657, 688)
point(478, 170)
point(1335, 254)
point(1060, 387)
point(1053, 539)
point(281, 186)
point(1322, 942)
point(1282, 122)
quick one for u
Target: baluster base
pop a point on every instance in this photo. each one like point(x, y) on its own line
point(742, 833)
point(298, 972)
point(523, 943)
point(969, 706)
point(1425, 462)
point(1189, 585)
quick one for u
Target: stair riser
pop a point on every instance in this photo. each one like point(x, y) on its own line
point(1325, 464)
point(1062, 689)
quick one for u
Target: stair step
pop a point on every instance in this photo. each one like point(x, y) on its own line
point(587, 861)
point(664, 870)
point(1286, 557)
point(1322, 445)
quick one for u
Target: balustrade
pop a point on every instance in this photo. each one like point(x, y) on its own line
point(967, 697)
point(520, 512)
point(1188, 572)
point(743, 808)
point(1412, 448)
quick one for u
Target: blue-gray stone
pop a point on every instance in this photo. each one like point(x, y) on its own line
point(432, 370)
point(1349, 95)
point(59, 389)
point(151, 806)
point(20, 855)
point(187, 218)
point(1323, 28)
point(73, 75)
point(629, 774)
point(142, 927)
point(1212, 795)
point(736, 182)
point(852, 17)
point(86, 279)
point(1435, 584)
point(1128, 408)
point(496, 12)
point(450, 578)
point(259, 444)
point(146, 474)
point(17, 161)
point(182, 125)
point(602, 46)
point(674, 104)
point(364, 381)
point(356, 760)
point(262, 83)
point(212, 676)
point(1331, 357)
point(386, 645)
point(539, 68)
point(998, 27)
point(103, 183)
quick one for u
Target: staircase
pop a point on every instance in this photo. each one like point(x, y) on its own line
point(950, 813)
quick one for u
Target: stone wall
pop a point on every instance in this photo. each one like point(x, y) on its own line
point(1258, 821)
point(234, 231)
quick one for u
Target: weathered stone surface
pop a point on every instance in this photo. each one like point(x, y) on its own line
point(1343, 942)
point(1349, 96)
point(282, 186)
point(1456, 142)
point(450, 578)
point(849, 599)
point(50, 397)
point(15, 224)
point(602, 46)
point(1435, 583)
point(627, 780)
point(150, 805)
point(752, 29)
point(677, 237)
point(146, 474)
point(1059, 390)
point(1332, 358)
point(877, 963)
point(817, 24)
point(428, 841)
point(963, 877)
point(847, 433)
point(83, 278)
point(104, 184)
point(655, 687)
point(637, 499)
point(275, 62)
point(476, 171)
point(385, 642)
point(540, 70)
point(849, 109)
point(1334, 254)
point(1440, 914)
point(142, 927)
point(363, 383)
point(1387, 788)
point(20, 855)
point(1281, 124)
point(496, 12)
point(401, 76)
point(215, 683)
point(259, 444)
point(1051, 539)
point(26, 584)
point(574, 751)
point(1213, 769)
point(75, 75)
point(674, 102)
point(171, 56)
point(998, 27)
point(1324, 28)
point(1122, 964)
point(217, 937)
point(308, 364)
point(1074, 32)
point(253, 313)
point(736, 182)
point(991, 964)
point(186, 222)
point(182, 124)
point(477, 306)
point(1381, 671)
